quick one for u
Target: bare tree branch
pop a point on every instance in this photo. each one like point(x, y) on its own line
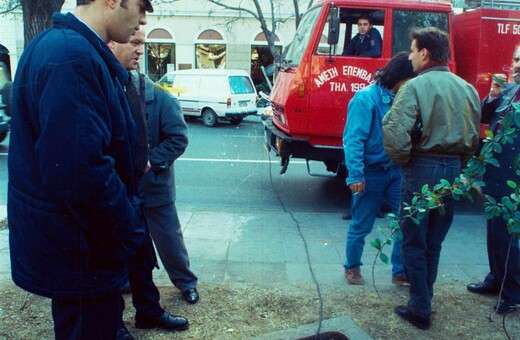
point(239, 8)
point(297, 12)
point(310, 4)
point(9, 7)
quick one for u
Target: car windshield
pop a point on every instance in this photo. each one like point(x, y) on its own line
point(294, 52)
point(241, 85)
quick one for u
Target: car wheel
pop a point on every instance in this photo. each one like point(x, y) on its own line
point(7, 97)
point(236, 120)
point(209, 118)
point(3, 135)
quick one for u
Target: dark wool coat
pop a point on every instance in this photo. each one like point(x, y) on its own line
point(496, 178)
point(72, 208)
point(168, 139)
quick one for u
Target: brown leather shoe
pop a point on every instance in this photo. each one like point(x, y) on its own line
point(400, 280)
point(354, 277)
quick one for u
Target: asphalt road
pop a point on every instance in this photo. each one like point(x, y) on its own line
point(228, 168)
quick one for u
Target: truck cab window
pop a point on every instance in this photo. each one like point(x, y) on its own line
point(294, 52)
point(405, 20)
point(352, 36)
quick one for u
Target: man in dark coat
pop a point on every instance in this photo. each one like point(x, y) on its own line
point(502, 246)
point(145, 295)
point(74, 220)
point(168, 140)
point(367, 43)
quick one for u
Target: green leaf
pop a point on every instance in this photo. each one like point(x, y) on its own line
point(512, 184)
point(384, 258)
point(492, 161)
point(489, 134)
point(424, 189)
point(376, 244)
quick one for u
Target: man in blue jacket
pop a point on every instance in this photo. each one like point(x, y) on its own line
point(372, 176)
point(74, 220)
point(503, 247)
point(367, 42)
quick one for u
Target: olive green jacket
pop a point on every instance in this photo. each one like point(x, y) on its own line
point(449, 109)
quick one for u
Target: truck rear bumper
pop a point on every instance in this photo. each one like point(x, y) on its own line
point(286, 146)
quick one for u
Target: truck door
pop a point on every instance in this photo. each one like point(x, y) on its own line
point(335, 78)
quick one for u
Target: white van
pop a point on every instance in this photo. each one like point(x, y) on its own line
point(213, 94)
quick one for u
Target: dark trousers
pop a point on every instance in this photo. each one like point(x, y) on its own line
point(145, 295)
point(82, 318)
point(422, 242)
point(498, 243)
point(166, 231)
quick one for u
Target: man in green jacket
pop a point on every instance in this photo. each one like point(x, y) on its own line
point(430, 131)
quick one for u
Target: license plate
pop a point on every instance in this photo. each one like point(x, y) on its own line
point(243, 103)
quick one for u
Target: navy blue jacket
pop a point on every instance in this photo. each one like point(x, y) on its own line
point(496, 178)
point(72, 206)
point(168, 140)
point(370, 46)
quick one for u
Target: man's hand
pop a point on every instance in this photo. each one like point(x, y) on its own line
point(496, 86)
point(357, 188)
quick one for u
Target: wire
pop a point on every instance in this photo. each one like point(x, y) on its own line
point(317, 336)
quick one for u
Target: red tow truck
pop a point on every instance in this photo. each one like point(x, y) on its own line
point(315, 81)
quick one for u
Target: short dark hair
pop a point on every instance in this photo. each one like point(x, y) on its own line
point(366, 17)
point(397, 69)
point(437, 43)
point(83, 2)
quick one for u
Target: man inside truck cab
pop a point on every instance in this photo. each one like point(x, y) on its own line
point(368, 41)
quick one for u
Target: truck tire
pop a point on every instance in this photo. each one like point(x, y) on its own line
point(209, 118)
point(236, 120)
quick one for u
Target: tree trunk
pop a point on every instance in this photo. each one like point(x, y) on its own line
point(37, 15)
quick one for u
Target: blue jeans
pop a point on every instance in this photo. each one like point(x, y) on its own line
point(380, 182)
point(422, 242)
point(498, 243)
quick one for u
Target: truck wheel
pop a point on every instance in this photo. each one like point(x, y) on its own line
point(209, 118)
point(236, 120)
point(2, 136)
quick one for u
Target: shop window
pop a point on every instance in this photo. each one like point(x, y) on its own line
point(160, 53)
point(261, 56)
point(210, 50)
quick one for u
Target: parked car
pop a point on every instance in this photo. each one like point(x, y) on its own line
point(213, 94)
point(5, 101)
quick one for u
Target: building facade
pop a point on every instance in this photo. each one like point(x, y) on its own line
point(187, 34)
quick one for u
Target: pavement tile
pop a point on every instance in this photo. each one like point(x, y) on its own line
point(259, 251)
point(216, 250)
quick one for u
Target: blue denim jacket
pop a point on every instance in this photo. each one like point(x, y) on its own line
point(363, 136)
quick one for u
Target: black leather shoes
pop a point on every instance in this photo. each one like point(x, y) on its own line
point(482, 288)
point(166, 321)
point(416, 320)
point(506, 307)
point(191, 295)
point(124, 334)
